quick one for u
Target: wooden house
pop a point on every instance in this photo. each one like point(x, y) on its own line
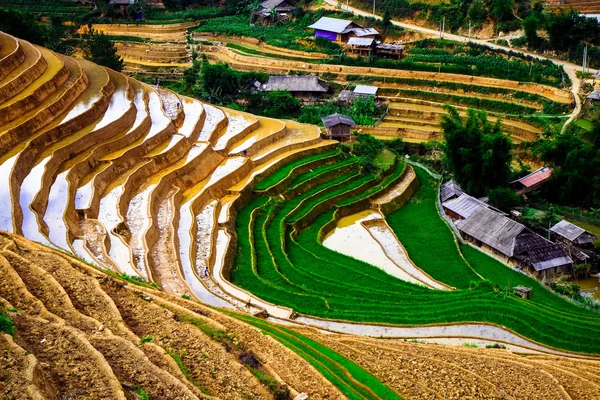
point(463, 206)
point(450, 190)
point(532, 181)
point(571, 234)
point(275, 11)
point(302, 87)
point(339, 127)
point(361, 46)
point(341, 30)
point(515, 243)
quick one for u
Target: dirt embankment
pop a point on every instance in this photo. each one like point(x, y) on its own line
point(80, 333)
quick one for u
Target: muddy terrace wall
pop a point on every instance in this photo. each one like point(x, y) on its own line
point(265, 63)
point(38, 145)
point(82, 169)
point(273, 137)
point(37, 97)
point(44, 117)
point(13, 59)
point(124, 162)
point(20, 82)
point(179, 180)
point(405, 133)
point(125, 122)
point(256, 42)
point(160, 161)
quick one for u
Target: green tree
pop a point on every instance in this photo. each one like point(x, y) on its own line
point(530, 26)
point(280, 104)
point(477, 152)
point(219, 81)
point(504, 199)
point(99, 49)
point(386, 20)
point(502, 10)
point(23, 26)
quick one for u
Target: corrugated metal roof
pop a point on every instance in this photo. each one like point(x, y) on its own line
point(595, 95)
point(296, 84)
point(491, 228)
point(567, 230)
point(366, 89)
point(536, 177)
point(361, 32)
point(450, 190)
point(464, 205)
point(550, 256)
point(336, 119)
point(331, 24)
point(360, 41)
point(271, 4)
point(122, 2)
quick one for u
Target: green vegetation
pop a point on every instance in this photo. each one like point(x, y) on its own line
point(293, 269)
point(348, 377)
point(146, 339)
point(364, 111)
point(99, 49)
point(285, 171)
point(476, 152)
point(6, 324)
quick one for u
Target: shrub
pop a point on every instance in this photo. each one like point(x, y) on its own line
point(146, 339)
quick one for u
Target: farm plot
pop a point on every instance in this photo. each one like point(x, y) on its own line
point(290, 267)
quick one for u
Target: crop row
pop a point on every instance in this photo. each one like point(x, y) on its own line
point(349, 378)
point(297, 271)
point(499, 106)
point(292, 169)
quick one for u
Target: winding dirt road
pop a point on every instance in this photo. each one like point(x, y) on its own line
point(570, 68)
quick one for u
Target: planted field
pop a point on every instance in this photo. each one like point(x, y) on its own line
point(293, 269)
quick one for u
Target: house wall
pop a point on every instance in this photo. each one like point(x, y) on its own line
point(326, 35)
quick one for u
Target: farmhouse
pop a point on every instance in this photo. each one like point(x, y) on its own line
point(338, 127)
point(571, 234)
point(302, 87)
point(365, 91)
point(594, 96)
point(450, 190)
point(275, 10)
point(341, 30)
point(514, 242)
point(463, 206)
point(532, 181)
point(362, 46)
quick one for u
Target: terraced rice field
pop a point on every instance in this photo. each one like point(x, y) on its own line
point(227, 209)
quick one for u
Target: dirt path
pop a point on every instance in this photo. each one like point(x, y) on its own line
point(570, 68)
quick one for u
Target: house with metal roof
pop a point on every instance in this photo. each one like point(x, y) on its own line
point(532, 181)
point(341, 30)
point(594, 95)
point(302, 87)
point(514, 242)
point(362, 46)
point(275, 10)
point(571, 234)
point(365, 91)
point(450, 190)
point(338, 127)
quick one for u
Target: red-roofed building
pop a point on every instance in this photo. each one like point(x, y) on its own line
point(532, 181)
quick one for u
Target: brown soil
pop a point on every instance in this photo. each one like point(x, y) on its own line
point(69, 312)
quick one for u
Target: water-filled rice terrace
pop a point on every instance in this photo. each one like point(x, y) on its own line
point(172, 197)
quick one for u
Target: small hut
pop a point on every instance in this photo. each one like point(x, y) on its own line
point(522, 291)
point(594, 96)
point(365, 91)
point(338, 127)
point(302, 87)
point(571, 234)
point(532, 181)
point(362, 46)
point(275, 11)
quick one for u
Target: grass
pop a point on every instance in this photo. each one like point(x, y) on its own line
point(146, 339)
point(298, 272)
point(585, 124)
point(286, 170)
point(428, 239)
point(348, 377)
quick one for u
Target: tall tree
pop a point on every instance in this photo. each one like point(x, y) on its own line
point(477, 152)
point(100, 49)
